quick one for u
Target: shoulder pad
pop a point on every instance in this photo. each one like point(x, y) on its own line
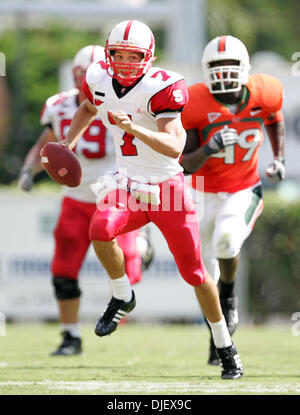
point(57, 99)
point(95, 72)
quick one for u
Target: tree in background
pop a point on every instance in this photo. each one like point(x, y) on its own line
point(33, 58)
point(32, 64)
point(260, 24)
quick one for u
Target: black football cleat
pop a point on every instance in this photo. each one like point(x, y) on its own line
point(229, 309)
point(69, 347)
point(230, 362)
point(213, 358)
point(115, 311)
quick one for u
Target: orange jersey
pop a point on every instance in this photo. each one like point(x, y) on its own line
point(236, 167)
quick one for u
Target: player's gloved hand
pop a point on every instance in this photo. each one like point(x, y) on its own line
point(220, 140)
point(25, 181)
point(276, 170)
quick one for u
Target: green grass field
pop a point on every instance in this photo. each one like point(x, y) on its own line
point(146, 360)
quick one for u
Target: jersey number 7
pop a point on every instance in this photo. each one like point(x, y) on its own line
point(127, 148)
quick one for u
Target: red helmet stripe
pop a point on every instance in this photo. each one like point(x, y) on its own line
point(152, 42)
point(126, 33)
point(93, 53)
point(222, 43)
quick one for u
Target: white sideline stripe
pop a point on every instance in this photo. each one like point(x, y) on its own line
point(110, 387)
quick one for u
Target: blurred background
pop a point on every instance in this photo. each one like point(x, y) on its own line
point(38, 40)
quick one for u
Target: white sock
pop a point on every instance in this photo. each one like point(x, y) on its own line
point(220, 333)
point(121, 288)
point(73, 329)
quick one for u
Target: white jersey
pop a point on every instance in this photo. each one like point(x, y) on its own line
point(159, 93)
point(95, 148)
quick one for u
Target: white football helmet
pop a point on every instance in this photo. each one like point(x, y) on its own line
point(223, 78)
point(83, 59)
point(130, 35)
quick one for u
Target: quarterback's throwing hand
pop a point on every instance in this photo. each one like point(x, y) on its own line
point(276, 171)
point(223, 138)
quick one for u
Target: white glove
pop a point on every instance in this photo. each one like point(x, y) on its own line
point(276, 171)
point(223, 138)
point(25, 181)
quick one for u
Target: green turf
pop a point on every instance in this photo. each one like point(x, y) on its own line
point(146, 359)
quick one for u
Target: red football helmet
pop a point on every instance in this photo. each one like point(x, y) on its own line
point(134, 36)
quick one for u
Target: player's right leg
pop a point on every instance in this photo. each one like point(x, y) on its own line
point(234, 222)
point(71, 245)
point(186, 249)
point(109, 221)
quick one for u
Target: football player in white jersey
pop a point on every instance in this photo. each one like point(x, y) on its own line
point(96, 153)
point(141, 106)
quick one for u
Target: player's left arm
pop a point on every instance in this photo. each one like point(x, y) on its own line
point(272, 99)
point(193, 156)
point(276, 134)
point(192, 161)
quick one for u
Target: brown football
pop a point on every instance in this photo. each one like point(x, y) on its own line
point(61, 164)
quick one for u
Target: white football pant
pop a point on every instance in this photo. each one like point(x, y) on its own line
point(226, 220)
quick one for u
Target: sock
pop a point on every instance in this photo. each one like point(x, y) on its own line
point(73, 329)
point(226, 289)
point(220, 333)
point(121, 288)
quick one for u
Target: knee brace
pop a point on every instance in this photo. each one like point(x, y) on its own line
point(66, 288)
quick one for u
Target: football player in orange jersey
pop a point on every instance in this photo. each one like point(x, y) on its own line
point(224, 119)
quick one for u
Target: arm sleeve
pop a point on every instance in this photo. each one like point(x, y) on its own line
point(274, 117)
point(171, 99)
point(272, 94)
point(192, 113)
